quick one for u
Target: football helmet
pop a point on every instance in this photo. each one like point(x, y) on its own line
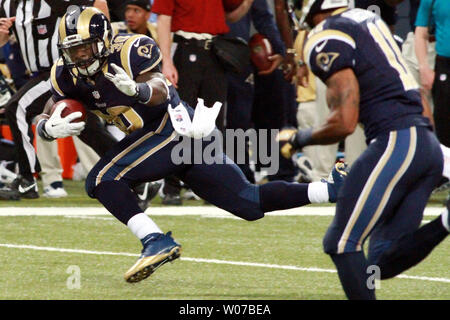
point(311, 7)
point(84, 39)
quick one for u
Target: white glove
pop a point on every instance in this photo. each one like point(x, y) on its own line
point(122, 81)
point(204, 120)
point(202, 124)
point(58, 127)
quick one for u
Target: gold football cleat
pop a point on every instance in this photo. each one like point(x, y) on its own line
point(157, 251)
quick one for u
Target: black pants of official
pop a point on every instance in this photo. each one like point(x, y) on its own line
point(441, 99)
point(275, 107)
point(200, 75)
point(28, 102)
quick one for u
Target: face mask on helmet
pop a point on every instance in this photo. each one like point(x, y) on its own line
point(85, 56)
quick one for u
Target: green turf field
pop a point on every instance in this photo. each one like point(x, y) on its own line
point(276, 258)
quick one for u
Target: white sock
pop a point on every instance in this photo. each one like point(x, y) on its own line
point(444, 217)
point(318, 192)
point(141, 225)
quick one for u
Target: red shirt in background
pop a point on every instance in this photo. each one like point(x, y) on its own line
point(199, 16)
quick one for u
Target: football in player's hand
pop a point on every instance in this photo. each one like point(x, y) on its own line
point(260, 51)
point(71, 107)
point(230, 5)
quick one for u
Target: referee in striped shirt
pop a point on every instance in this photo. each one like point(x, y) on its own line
point(35, 25)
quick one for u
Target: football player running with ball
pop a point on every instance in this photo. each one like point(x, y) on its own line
point(119, 78)
point(353, 52)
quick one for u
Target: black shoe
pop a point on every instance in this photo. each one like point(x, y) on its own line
point(145, 192)
point(172, 200)
point(27, 189)
point(6, 193)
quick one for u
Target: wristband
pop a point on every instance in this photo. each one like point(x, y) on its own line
point(143, 92)
point(40, 128)
point(302, 138)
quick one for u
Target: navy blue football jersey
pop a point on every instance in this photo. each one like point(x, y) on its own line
point(360, 40)
point(134, 53)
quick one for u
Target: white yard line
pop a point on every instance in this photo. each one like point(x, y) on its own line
point(206, 211)
point(214, 261)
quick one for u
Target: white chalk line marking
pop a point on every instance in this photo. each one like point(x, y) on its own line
point(205, 211)
point(214, 261)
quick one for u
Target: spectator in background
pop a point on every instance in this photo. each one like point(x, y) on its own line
point(433, 17)
point(137, 15)
point(275, 107)
point(187, 61)
point(241, 86)
point(409, 54)
point(283, 10)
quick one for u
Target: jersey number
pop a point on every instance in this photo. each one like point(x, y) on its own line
point(125, 118)
point(382, 35)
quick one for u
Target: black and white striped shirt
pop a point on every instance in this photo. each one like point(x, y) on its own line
point(36, 28)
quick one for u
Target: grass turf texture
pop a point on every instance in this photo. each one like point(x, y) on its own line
point(288, 241)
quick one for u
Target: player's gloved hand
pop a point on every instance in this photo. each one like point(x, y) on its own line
point(122, 81)
point(142, 92)
point(204, 120)
point(291, 140)
point(202, 124)
point(58, 127)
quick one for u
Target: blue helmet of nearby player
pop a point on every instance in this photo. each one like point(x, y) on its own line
point(311, 7)
point(84, 39)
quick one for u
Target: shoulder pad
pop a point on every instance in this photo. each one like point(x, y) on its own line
point(137, 53)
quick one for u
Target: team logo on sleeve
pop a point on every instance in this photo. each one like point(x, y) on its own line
point(145, 50)
point(325, 60)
